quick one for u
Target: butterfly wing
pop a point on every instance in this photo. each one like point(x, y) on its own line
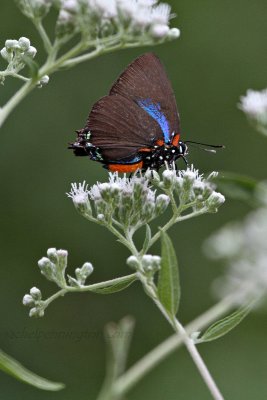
point(119, 128)
point(145, 82)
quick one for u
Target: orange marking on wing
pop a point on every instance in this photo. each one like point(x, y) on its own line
point(159, 142)
point(176, 139)
point(145, 149)
point(125, 167)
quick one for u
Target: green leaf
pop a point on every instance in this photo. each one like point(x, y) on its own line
point(225, 325)
point(147, 239)
point(237, 186)
point(33, 67)
point(115, 287)
point(15, 369)
point(169, 283)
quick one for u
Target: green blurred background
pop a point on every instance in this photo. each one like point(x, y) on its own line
point(221, 53)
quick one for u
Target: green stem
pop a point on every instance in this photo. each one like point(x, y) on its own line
point(124, 240)
point(88, 288)
point(42, 32)
point(51, 65)
point(15, 100)
point(14, 75)
point(188, 342)
point(142, 367)
point(177, 217)
point(199, 362)
point(191, 215)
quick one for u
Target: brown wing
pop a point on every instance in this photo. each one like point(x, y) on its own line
point(146, 78)
point(120, 128)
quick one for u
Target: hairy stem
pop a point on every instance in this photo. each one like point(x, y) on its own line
point(42, 32)
point(188, 342)
point(142, 367)
point(87, 288)
point(198, 360)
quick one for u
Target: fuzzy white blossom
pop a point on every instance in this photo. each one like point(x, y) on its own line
point(243, 247)
point(134, 202)
point(254, 105)
point(141, 17)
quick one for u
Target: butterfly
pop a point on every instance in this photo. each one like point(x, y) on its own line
point(137, 125)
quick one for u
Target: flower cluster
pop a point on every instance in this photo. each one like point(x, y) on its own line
point(15, 53)
point(191, 188)
point(130, 201)
point(148, 265)
point(100, 18)
point(53, 267)
point(133, 202)
point(254, 105)
point(243, 247)
point(35, 9)
point(34, 301)
point(18, 53)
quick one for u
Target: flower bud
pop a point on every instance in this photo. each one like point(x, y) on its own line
point(147, 260)
point(87, 269)
point(82, 203)
point(24, 43)
point(83, 273)
point(47, 268)
point(27, 300)
point(36, 312)
point(105, 191)
point(31, 52)
point(214, 201)
point(6, 55)
point(133, 262)
point(11, 44)
point(168, 177)
point(159, 31)
point(35, 293)
point(162, 202)
point(52, 255)
point(153, 176)
point(101, 217)
point(188, 179)
point(151, 264)
point(70, 5)
point(62, 259)
point(174, 33)
point(44, 80)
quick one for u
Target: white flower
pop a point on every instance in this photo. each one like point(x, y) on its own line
point(79, 196)
point(27, 300)
point(174, 33)
point(31, 52)
point(244, 247)
point(65, 17)
point(106, 8)
point(161, 14)
point(79, 193)
point(142, 17)
point(254, 103)
point(127, 8)
point(70, 5)
point(24, 43)
point(146, 15)
point(159, 31)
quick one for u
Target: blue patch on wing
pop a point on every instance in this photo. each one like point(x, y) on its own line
point(154, 110)
point(127, 161)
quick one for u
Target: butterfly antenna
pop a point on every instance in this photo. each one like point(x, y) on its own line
point(203, 146)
